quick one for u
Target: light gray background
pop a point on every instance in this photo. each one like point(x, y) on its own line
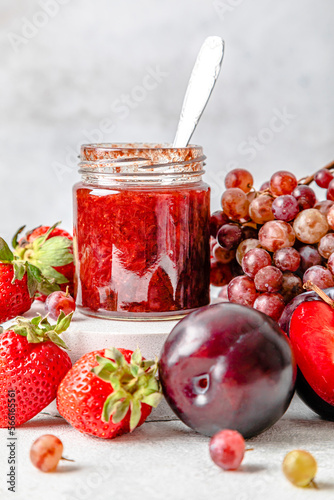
point(67, 76)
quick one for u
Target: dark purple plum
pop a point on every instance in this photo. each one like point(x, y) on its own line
point(227, 366)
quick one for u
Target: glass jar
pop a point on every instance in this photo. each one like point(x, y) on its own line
point(141, 231)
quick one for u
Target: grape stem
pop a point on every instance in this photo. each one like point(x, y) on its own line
point(314, 484)
point(307, 180)
point(311, 286)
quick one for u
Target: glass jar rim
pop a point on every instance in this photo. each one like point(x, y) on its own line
point(141, 159)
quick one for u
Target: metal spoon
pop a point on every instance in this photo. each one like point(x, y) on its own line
point(200, 86)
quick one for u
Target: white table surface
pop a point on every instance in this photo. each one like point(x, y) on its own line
point(167, 460)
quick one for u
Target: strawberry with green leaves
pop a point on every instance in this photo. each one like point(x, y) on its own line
point(19, 282)
point(32, 364)
point(109, 392)
point(51, 250)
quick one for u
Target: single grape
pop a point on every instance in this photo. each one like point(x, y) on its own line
point(271, 304)
point(276, 234)
point(239, 178)
point(323, 177)
point(326, 245)
point(59, 301)
point(220, 274)
point(330, 217)
point(285, 207)
point(287, 259)
point(330, 263)
point(305, 197)
point(241, 290)
point(217, 219)
point(324, 206)
point(227, 449)
point(260, 209)
point(222, 255)
point(310, 226)
point(291, 286)
point(264, 186)
point(319, 276)
point(254, 260)
point(268, 279)
point(282, 182)
point(244, 247)
point(229, 236)
point(330, 191)
point(46, 452)
point(299, 467)
point(309, 256)
point(235, 203)
point(249, 232)
point(222, 295)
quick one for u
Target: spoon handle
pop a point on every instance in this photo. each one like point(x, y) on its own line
point(201, 83)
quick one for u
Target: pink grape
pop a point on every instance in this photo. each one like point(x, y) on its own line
point(330, 191)
point(220, 274)
point(244, 247)
point(239, 178)
point(330, 263)
point(254, 260)
point(249, 232)
point(285, 207)
point(309, 256)
point(260, 209)
point(217, 220)
point(222, 255)
point(324, 206)
point(319, 276)
point(268, 279)
point(276, 234)
point(241, 290)
point(264, 186)
point(227, 449)
point(326, 245)
point(330, 217)
point(323, 177)
point(291, 286)
point(282, 182)
point(46, 452)
point(271, 304)
point(57, 302)
point(287, 259)
point(305, 197)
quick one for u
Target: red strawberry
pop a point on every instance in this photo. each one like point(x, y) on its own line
point(19, 282)
point(51, 250)
point(32, 364)
point(111, 382)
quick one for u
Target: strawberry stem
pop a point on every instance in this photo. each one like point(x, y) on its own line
point(311, 286)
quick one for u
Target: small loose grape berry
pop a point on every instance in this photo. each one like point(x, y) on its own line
point(46, 452)
point(299, 467)
point(271, 304)
point(305, 197)
point(287, 259)
point(260, 209)
point(282, 182)
point(268, 279)
point(59, 301)
point(254, 260)
point(310, 226)
point(285, 207)
point(239, 178)
point(319, 276)
point(235, 203)
point(227, 449)
point(241, 290)
point(323, 177)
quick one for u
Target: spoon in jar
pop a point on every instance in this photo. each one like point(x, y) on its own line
point(200, 86)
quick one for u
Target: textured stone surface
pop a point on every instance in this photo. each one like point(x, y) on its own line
point(167, 460)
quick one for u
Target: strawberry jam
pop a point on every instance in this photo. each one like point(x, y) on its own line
point(141, 231)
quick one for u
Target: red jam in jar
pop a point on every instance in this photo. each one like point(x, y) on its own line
point(141, 231)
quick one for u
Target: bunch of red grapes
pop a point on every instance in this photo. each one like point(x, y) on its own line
point(265, 244)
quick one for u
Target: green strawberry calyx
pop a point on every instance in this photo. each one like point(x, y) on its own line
point(133, 383)
point(39, 329)
point(45, 254)
point(36, 280)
